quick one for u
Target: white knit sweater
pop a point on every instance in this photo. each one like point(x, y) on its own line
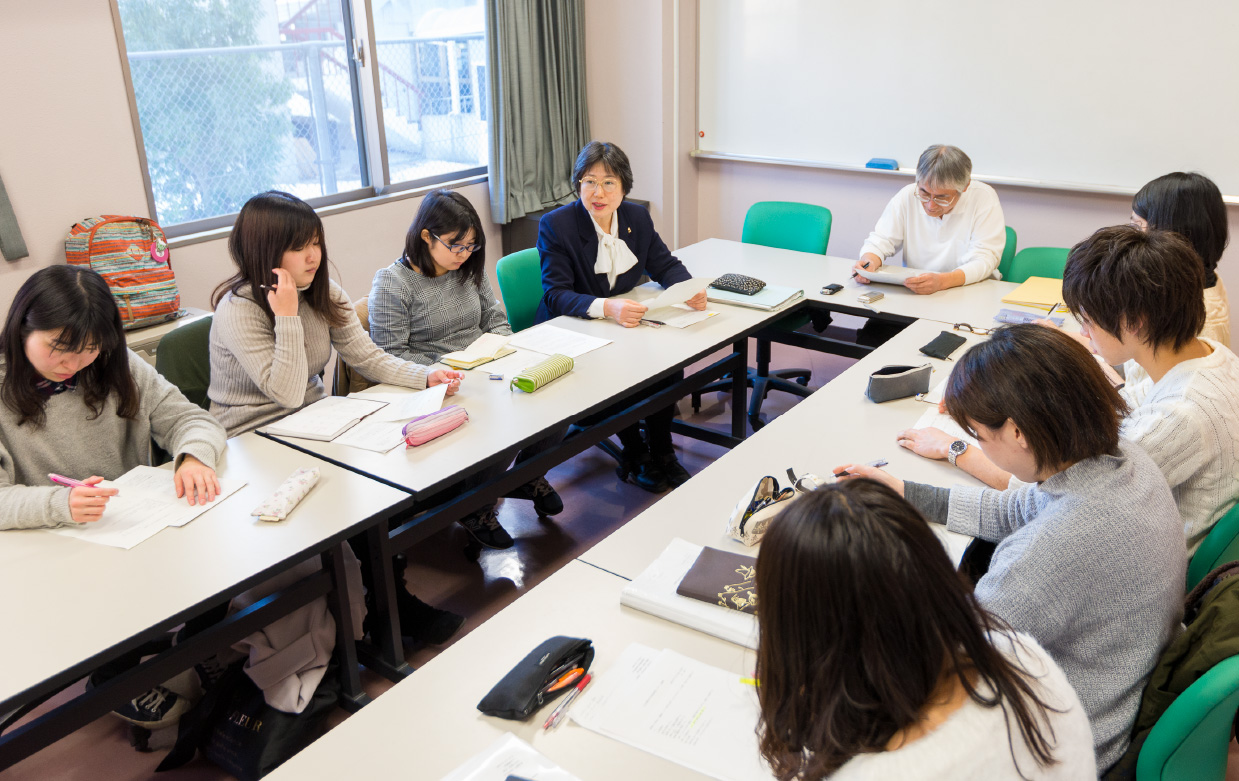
point(976, 743)
point(1188, 422)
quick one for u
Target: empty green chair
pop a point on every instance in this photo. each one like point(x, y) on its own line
point(802, 227)
point(1038, 262)
point(520, 284)
point(1191, 740)
point(183, 357)
point(1008, 253)
point(1220, 546)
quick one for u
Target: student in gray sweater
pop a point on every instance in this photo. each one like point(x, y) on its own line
point(76, 402)
point(1089, 558)
point(270, 344)
point(436, 299)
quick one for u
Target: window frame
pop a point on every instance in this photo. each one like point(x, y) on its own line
point(361, 49)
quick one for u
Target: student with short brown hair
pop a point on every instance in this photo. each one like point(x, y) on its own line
point(875, 660)
point(1089, 554)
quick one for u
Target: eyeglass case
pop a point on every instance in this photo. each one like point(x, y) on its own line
point(523, 690)
point(898, 382)
point(943, 345)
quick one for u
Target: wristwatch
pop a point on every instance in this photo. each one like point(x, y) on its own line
point(956, 450)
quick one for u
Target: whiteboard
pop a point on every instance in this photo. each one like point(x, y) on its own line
point(1091, 94)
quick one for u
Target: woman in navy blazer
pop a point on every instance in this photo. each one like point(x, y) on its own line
point(601, 246)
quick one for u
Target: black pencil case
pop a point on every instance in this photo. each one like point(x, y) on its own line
point(943, 345)
point(524, 689)
point(898, 382)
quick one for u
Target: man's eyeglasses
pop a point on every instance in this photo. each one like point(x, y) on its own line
point(607, 185)
point(972, 329)
point(457, 249)
point(941, 200)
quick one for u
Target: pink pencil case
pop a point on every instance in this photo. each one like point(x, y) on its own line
point(421, 430)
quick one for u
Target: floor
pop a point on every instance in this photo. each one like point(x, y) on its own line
point(595, 505)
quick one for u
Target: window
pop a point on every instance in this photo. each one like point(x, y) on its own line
point(233, 97)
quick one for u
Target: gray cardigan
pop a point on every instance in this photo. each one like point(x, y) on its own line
point(74, 442)
point(420, 318)
point(1091, 563)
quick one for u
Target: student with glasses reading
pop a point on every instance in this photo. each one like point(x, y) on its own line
point(948, 225)
point(436, 299)
point(601, 246)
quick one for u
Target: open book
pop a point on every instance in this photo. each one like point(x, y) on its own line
point(484, 349)
point(326, 419)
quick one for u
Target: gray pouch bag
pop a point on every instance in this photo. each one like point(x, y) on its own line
point(898, 382)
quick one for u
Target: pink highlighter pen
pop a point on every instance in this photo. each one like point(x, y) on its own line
point(67, 481)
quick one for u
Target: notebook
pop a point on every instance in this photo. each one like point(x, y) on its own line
point(722, 578)
point(484, 349)
point(1038, 293)
point(768, 298)
point(326, 419)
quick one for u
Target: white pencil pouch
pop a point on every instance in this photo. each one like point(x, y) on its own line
point(288, 495)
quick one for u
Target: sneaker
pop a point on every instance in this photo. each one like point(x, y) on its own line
point(673, 470)
point(542, 494)
point(484, 527)
point(156, 709)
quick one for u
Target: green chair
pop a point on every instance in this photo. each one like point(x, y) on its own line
point(183, 357)
point(1037, 262)
point(802, 227)
point(520, 284)
point(1220, 546)
point(1008, 253)
point(1191, 740)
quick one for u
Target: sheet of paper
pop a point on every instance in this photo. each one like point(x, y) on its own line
point(551, 339)
point(680, 316)
point(932, 418)
point(147, 503)
point(677, 293)
point(509, 755)
point(403, 406)
point(891, 275)
point(372, 434)
point(682, 710)
point(935, 394)
point(324, 418)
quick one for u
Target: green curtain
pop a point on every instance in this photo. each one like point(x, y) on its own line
point(12, 245)
point(538, 115)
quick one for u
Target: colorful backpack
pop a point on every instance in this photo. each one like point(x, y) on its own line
point(131, 253)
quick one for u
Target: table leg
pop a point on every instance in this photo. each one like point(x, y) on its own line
point(739, 388)
point(352, 698)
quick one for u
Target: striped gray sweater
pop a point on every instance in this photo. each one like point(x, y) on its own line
point(1090, 564)
point(260, 373)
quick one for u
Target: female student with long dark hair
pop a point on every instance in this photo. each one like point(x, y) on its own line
point(76, 402)
point(1089, 557)
point(875, 660)
point(436, 299)
point(275, 323)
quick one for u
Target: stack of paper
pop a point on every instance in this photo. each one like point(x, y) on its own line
point(654, 590)
point(145, 505)
point(326, 419)
point(677, 708)
point(509, 757)
point(1037, 293)
point(767, 299)
point(384, 430)
point(484, 349)
point(891, 275)
point(551, 339)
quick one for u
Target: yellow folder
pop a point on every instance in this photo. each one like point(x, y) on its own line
point(1037, 292)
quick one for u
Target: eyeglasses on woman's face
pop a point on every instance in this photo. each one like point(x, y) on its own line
point(608, 186)
point(458, 249)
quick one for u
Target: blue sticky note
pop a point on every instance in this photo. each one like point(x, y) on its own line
point(887, 163)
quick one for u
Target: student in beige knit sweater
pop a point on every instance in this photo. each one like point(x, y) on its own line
point(275, 323)
point(76, 402)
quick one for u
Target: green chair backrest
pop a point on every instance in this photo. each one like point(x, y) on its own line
point(1190, 741)
point(183, 357)
point(788, 225)
point(520, 284)
point(1008, 253)
point(1038, 262)
point(1220, 546)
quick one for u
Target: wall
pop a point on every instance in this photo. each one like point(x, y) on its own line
point(70, 153)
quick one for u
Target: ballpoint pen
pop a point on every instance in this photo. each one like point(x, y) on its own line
point(878, 464)
point(561, 709)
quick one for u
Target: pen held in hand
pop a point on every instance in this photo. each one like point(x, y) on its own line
point(878, 464)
